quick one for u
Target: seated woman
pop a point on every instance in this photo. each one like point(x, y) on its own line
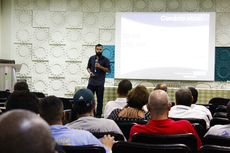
point(133, 111)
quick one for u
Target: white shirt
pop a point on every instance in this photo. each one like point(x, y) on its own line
point(203, 109)
point(223, 130)
point(111, 105)
point(182, 111)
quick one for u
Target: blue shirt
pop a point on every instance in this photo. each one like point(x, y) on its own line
point(99, 78)
point(63, 135)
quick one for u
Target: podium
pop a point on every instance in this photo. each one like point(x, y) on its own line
point(8, 76)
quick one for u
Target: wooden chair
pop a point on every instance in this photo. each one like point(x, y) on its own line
point(147, 84)
point(203, 86)
point(188, 139)
point(132, 147)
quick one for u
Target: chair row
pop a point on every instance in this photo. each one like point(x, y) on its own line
point(122, 146)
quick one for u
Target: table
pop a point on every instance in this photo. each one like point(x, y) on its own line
point(204, 95)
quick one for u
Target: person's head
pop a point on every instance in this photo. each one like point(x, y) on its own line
point(228, 110)
point(194, 94)
point(124, 87)
point(138, 97)
point(52, 110)
point(19, 86)
point(161, 86)
point(183, 97)
point(98, 49)
point(23, 100)
point(158, 103)
point(84, 101)
point(24, 131)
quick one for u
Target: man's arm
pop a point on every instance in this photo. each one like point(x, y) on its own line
point(102, 68)
point(90, 73)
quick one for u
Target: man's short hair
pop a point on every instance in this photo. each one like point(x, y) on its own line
point(161, 86)
point(23, 131)
point(98, 45)
point(183, 97)
point(23, 100)
point(21, 86)
point(124, 87)
point(194, 94)
point(83, 101)
point(51, 109)
point(138, 97)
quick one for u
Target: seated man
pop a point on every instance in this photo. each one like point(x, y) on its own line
point(199, 107)
point(223, 130)
point(183, 107)
point(123, 88)
point(159, 106)
point(161, 86)
point(52, 112)
point(25, 132)
point(84, 104)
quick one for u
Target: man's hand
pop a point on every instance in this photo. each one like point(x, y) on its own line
point(108, 141)
point(97, 65)
point(91, 74)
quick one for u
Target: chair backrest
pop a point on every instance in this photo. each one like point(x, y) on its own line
point(221, 108)
point(220, 114)
point(84, 149)
point(147, 84)
point(188, 139)
point(210, 107)
point(216, 140)
point(4, 94)
point(199, 130)
point(132, 147)
point(66, 102)
point(125, 127)
point(218, 120)
point(213, 149)
point(219, 101)
point(194, 120)
point(117, 136)
point(39, 94)
point(203, 86)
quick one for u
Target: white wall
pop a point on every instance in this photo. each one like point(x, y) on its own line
point(6, 29)
point(54, 39)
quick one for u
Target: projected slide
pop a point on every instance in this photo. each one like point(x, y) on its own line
point(168, 46)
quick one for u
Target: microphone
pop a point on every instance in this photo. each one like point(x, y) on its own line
point(96, 61)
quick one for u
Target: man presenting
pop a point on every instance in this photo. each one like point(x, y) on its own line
point(97, 67)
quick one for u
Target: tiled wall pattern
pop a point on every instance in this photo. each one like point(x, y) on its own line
point(53, 39)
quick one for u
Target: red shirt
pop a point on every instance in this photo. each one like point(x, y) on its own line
point(166, 126)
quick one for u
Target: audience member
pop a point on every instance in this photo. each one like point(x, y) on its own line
point(52, 112)
point(24, 132)
point(159, 106)
point(223, 130)
point(27, 101)
point(23, 100)
point(199, 107)
point(161, 86)
point(21, 86)
point(84, 104)
point(183, 107)
point(123, 88)
point(133, 111)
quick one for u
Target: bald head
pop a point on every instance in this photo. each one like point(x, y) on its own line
point(161, 86)
point(158, 102)
point(23, 131)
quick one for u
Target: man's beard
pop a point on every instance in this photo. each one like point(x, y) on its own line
point(98, 54)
